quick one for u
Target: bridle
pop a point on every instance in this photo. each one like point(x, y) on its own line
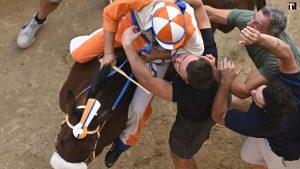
point(97, 131)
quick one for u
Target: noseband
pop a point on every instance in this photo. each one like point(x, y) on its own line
point(97, 131)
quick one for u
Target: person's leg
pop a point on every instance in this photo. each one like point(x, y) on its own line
point(292, 164)
point(186, 138)
point(30, 29)
point(85, 48)
point(46, 7)
point(180, 163)
point(255, 166)
point(139, 112)
point(258, 153)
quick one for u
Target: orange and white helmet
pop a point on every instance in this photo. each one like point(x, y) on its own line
point(168, 25)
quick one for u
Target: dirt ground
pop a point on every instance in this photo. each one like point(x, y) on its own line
point(31, 79)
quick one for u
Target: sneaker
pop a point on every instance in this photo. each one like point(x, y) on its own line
point(28, 32)
point(112, 155)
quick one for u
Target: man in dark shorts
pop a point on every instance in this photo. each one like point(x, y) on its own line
point(193, 89)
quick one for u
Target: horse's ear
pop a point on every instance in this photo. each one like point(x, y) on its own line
point(70, 101)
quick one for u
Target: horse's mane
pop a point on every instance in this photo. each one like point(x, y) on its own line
point(98, 79)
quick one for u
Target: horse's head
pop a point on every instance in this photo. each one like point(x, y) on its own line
point(106, 87)
point(71, 151)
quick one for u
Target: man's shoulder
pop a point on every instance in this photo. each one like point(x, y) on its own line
point(239, 17)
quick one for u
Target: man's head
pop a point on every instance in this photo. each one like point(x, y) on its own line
point(276, 99)
point(269, 20)
point(197, 72)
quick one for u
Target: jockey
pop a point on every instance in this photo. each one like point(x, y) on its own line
point(168, 28)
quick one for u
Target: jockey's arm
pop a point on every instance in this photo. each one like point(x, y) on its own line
point(109, 55)
point(243, 90)
point(112, 14)
point(217, 15)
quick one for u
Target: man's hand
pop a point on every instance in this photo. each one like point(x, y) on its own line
point(250, 36)
point(228, 71)
point(210, 58)
point(129, 36)
point(109, 57)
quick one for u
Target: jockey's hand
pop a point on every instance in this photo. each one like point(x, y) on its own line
point(250, 36)
point(228, 71)
point(108, 58)
point(129, 36)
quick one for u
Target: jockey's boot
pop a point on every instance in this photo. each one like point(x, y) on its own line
point(28, 32)
point(117, 148)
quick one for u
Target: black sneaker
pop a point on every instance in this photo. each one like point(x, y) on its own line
point(112, 155)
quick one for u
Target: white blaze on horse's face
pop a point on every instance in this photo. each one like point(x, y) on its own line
point(57, 162)
point(80, 130)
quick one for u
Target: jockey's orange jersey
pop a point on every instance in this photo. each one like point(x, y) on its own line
point(116, 18)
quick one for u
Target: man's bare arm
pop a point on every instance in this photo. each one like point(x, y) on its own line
point(217, 15)
point(277, 47)
point(157, 86)
point(220, 104)
point(243, 90)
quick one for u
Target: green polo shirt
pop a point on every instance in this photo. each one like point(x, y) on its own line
point(265, 62)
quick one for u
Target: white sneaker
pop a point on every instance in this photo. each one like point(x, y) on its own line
point(28, 32)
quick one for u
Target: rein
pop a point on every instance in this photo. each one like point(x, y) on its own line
point(122, 91)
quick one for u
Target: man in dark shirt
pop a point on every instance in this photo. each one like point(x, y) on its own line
point(193, 121)
point(273, 119)
point(193, 96)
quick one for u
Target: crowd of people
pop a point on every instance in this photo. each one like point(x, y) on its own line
point(179, 33)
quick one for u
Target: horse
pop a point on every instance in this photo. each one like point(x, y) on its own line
point(111, 118)
point(233, 4)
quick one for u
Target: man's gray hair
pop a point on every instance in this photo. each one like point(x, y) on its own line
point(278, 19)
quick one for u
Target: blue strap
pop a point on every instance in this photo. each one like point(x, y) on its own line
point(122, 92)
point(135, 23)
point(120, 67)
point(181, 5)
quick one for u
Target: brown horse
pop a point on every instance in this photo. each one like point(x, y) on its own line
point(71, 151)
point(232, 4)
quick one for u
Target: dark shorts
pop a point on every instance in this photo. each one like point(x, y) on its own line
point(187, 137)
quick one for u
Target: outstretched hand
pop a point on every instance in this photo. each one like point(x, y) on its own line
point(250, 36)
point(210, 58)
point(228, 71)
point(129, 36)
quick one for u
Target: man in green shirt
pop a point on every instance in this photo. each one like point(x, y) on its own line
point(269, 20)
